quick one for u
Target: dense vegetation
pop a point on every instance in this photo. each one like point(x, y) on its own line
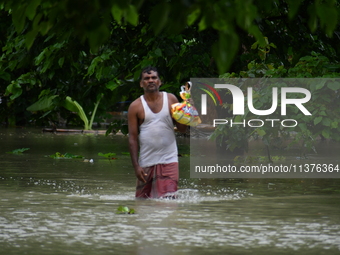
point(324, 106)
point(64, 57)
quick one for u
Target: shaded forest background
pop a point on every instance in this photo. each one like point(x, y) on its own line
point(74, 61)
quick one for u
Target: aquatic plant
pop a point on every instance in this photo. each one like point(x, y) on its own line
point(186, 155)
point(58, 155)
point(18, 151)
point(109, 155)
point(125, 210)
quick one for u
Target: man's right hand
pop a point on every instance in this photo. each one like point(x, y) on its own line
point(140, 174)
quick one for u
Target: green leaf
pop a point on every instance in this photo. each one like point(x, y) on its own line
point(202, 24)
point(320, 85)
point(69, 155)
point(328, 15)
point(125, 210)
point(58, 155)
point(225, 49)
point(82, 114)
point(238, 118)
point(18, 151)
point(334, 124)
point(40, 57)
point(30, 37)
point(192, 17)
point(4, 75)
point(69, 105)
point(326, 122)
point(302, 126)
point(293, 7)
point(93, 65)
point(107, 155)
point(44, 103)
point(158, 52)
point(322, 113)
point(124, 129)
point(31, 8)
point(159, 16)
point(97, 37)
point(15, 89)
point(306, 58)
point(325, 133)
point(117, 13)
point(61, 61)
point(74, 106)
point(317, 120)
point(260, 132)
point(132, 15)
point(333, 85)
point(19, 17)
point(253, 47)
point(112, 85)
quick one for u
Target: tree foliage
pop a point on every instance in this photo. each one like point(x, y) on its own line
point(52, 50)
point(324, 105)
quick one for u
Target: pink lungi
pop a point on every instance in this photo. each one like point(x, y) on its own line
point(161, 179)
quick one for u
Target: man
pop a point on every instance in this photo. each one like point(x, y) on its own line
point(151, 129)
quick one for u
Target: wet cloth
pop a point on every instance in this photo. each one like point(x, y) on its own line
point(157, 139)
point(161, 180)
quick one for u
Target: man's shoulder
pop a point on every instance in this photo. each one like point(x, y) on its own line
point(172, 98)
point(135, 104)
point(169, 94)
point(136, 101)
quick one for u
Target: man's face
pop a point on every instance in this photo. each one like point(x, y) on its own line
point(150, 81)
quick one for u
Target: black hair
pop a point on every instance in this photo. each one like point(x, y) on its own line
point(148, 69)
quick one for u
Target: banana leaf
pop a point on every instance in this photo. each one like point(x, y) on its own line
point(43, 104)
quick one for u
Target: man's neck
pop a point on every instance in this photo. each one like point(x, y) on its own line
point(152, 96)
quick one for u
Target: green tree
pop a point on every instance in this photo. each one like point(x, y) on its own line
point(324, 106)
point(54, 49)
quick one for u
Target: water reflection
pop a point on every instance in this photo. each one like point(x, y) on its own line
point(50, 206)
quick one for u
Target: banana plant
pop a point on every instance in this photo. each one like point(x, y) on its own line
point(74, 106)
point(46, 103)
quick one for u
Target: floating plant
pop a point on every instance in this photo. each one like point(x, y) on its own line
point(125, 210)
point(58, 155)
point(109, 155)
point(18, 151)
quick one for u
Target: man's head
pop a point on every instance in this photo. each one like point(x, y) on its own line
point(148, 70)
point(149, 79)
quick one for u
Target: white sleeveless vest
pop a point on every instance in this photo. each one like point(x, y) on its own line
point(157, 140)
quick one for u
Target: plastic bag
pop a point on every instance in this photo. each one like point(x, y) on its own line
point(184, 112)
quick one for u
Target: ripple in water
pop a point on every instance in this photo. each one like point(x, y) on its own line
point(181, 196)
point(196, 196)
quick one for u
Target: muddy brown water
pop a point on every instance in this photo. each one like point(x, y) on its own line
point(68, 206)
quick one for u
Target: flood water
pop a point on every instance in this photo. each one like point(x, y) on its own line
point(68, 206)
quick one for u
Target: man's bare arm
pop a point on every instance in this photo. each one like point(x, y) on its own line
point(133, 140)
